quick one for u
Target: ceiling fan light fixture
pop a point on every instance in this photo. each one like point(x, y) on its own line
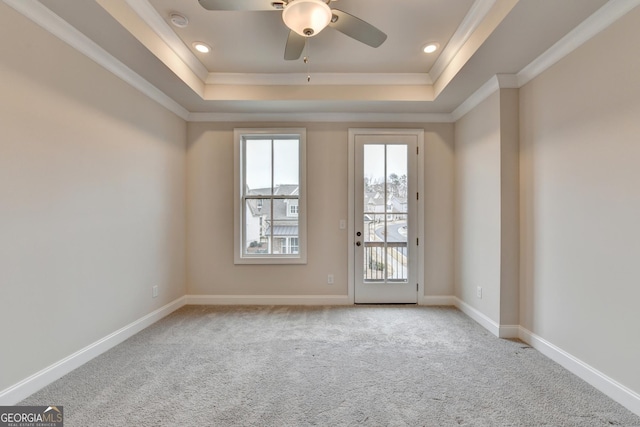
point(307, 17)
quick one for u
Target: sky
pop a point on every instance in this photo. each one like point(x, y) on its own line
point(374, 161)
point(285, 161)
point(258, 162)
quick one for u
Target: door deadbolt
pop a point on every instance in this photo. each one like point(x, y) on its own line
point(358, 234)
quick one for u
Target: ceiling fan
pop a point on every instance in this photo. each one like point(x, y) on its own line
point(305, 18)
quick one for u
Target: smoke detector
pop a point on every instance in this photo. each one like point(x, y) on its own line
point(178, 20)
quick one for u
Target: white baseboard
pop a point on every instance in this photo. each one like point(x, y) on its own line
point(616, 391)
point(605, 384)
point(268, 300)
point(296, 300)
point(35, 382)
point(500, 331)
point(438, 300)
point(509, 331)
point(479, 317)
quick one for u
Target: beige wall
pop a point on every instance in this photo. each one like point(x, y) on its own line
point(509, 207)
point(486, 207)
point(211, 270)
point(98, 185)
point(92, 201)
point(438, 210)
point(580, 203)
point(477, 207)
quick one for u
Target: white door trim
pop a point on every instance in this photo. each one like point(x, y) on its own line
point(419, 133)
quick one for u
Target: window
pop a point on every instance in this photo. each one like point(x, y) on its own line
point(270, 188)
point(293, 245)
point(286, 245)
point(292, 208)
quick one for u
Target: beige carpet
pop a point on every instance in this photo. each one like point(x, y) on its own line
point(325, 366)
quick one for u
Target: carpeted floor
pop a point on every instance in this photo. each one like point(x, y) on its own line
point(325, 366)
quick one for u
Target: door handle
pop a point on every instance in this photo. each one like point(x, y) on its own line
point(358, 243)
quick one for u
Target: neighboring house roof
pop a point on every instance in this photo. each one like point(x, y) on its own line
point(287, 190)
point(376, 200)
point(284, 230)
point(399, 205)
point(280, 190)
point(280, 206)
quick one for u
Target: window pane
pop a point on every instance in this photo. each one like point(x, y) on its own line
point(279, 245)
point(396, 178)
point(374, 266)
point(374, 178)
point(285, 165)
point(397, 255)
point(258, 166)
point(373, 228)
point(374, 253)
point(285, 226)
point(396, 228)
point(374, 261)
point(255, 227)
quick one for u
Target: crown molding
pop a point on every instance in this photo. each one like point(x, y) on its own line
point(158, 24)
point(594, 24)
point(499, 81)
point(469, 24)
point(324, 79)
point(60, 28)
point(601, 19)
point(507, 81)
point(323, 117)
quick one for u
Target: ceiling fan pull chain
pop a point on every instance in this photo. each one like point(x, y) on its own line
point(306, 59)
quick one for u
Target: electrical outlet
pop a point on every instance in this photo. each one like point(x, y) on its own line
point(154, 291)
point(330, 279)
point(479, 292)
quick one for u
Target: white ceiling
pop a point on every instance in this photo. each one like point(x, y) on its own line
point(245, 75)
point(253, 42)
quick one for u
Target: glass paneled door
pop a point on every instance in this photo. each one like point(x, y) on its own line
point(385, 218)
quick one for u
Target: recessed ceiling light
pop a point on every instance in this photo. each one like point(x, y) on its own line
point(201, 47)
point(430, 47)
point(178, 20)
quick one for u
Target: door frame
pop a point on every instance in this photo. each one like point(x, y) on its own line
point(351, 241)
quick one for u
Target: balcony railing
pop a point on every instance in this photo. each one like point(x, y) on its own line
point(385, 262)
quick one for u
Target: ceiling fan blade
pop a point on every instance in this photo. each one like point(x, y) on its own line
point(240, 4)
point(357, 29)
point(295, 46)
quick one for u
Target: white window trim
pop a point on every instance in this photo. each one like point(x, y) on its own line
point(238, 211)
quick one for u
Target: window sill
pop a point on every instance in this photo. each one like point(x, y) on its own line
point(263, 260)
